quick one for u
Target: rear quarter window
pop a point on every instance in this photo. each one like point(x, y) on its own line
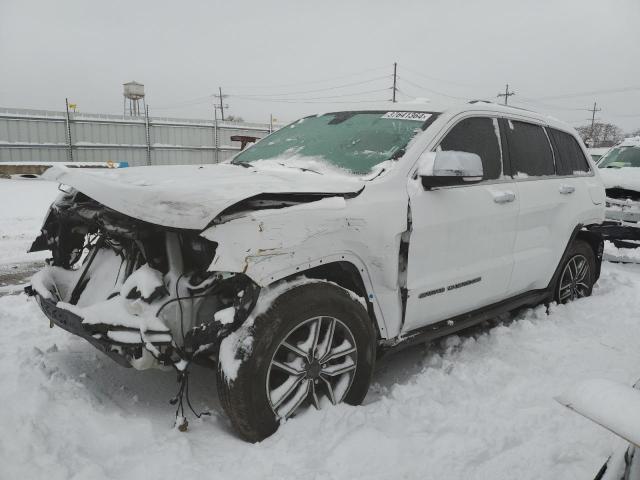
point(530, 153)
point(570, 159)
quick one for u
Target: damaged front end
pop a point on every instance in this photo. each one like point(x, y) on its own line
point(622, 218)
point(139, 292)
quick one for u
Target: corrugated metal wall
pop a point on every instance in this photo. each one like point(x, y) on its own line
point(41, 136)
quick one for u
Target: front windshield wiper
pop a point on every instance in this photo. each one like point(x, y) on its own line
point(300, 168)
point(242, 164)
point(398, 154)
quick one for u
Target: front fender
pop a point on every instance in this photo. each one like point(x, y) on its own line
point(270, 245)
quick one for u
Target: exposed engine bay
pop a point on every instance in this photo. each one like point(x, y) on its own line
point(139, 292)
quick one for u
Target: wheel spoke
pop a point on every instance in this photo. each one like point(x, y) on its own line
point(314, 397)
point(311, 342)
point(301, 394)
point(289, 385)
point(582, 272)
point(286, 367)
point(572, 268)
point(330, 391)
point(296, 350)
point(316, 336)
point(565, 295)
point(567, 286)
point(583, 286)
point(327, 341)
point(340, 369)
point(340, 351)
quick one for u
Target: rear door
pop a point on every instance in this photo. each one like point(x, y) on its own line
point(461, 244)
point(550, 204)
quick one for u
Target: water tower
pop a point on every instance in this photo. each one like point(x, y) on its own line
point(133, 92)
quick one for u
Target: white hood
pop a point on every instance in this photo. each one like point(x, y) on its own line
point(191, 196)
point(627, 177)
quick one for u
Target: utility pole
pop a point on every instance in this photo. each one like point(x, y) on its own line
point(506, 94)
point(147, 128)
point(395, 77)
point(68, 125)
point(593, 121)
point(220, 97)
point(216, 137)
point(215, 132)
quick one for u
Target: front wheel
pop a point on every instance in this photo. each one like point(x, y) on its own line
point(315, 344)
point(577, 273)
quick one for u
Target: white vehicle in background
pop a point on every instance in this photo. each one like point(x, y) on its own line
point(620, 172)
point(325, 244)
point(596, 153)
point(615, 407)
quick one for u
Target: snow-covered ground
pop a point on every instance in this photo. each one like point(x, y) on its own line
point(23, 205)
point(475, 406)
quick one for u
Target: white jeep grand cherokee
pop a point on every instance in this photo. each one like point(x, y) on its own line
point(329, 242)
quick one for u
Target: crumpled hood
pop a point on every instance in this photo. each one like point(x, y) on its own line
point(191, 196)
point(627, 177)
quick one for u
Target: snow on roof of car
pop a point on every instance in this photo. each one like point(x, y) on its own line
point(453, 108)
point(630, 142)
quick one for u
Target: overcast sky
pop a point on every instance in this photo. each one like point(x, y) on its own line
point(265, 52)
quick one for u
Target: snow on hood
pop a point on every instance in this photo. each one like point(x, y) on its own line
point(626, 177)
point(191, 196)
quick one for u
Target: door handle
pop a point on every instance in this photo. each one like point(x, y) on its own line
point(504, 197)
point(567, 189)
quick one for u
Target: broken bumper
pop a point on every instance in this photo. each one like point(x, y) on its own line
point(622, 223)
point(625, 212)
point(96, 335)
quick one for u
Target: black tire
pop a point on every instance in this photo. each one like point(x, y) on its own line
point(578, 251)
point(245, 398)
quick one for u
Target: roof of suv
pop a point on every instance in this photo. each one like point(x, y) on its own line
point(473, 106)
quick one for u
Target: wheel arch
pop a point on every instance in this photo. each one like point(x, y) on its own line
point(596, 242)
point(593, 239)
point(344, 270)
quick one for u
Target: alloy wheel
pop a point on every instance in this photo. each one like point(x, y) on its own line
point(574, 278)
point(316, 359)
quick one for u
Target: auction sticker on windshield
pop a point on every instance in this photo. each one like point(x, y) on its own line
point(419, 116)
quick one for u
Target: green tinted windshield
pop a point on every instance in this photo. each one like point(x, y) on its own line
point(619, 157)
point(354, 141)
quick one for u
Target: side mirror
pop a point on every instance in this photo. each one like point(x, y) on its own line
point(447, 168)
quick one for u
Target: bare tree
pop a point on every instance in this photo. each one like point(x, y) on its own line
point(602, 134)
point(634, 133)
point(234, 118)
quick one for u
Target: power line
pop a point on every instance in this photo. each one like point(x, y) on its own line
point(421, 87)
point(289, 99)
point(436, 79)
point(297, 84)
point(301, 101)
point(336, 87)
point(593, 92)
point(186, 103)
point(529, 101)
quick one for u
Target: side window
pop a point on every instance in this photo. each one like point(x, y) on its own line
point(529, 150)
point(569, 157)
point(477, 135)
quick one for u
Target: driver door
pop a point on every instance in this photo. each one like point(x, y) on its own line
point(460, 254)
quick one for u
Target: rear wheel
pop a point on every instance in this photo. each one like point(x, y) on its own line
point(314, 345)
point(577, 274)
